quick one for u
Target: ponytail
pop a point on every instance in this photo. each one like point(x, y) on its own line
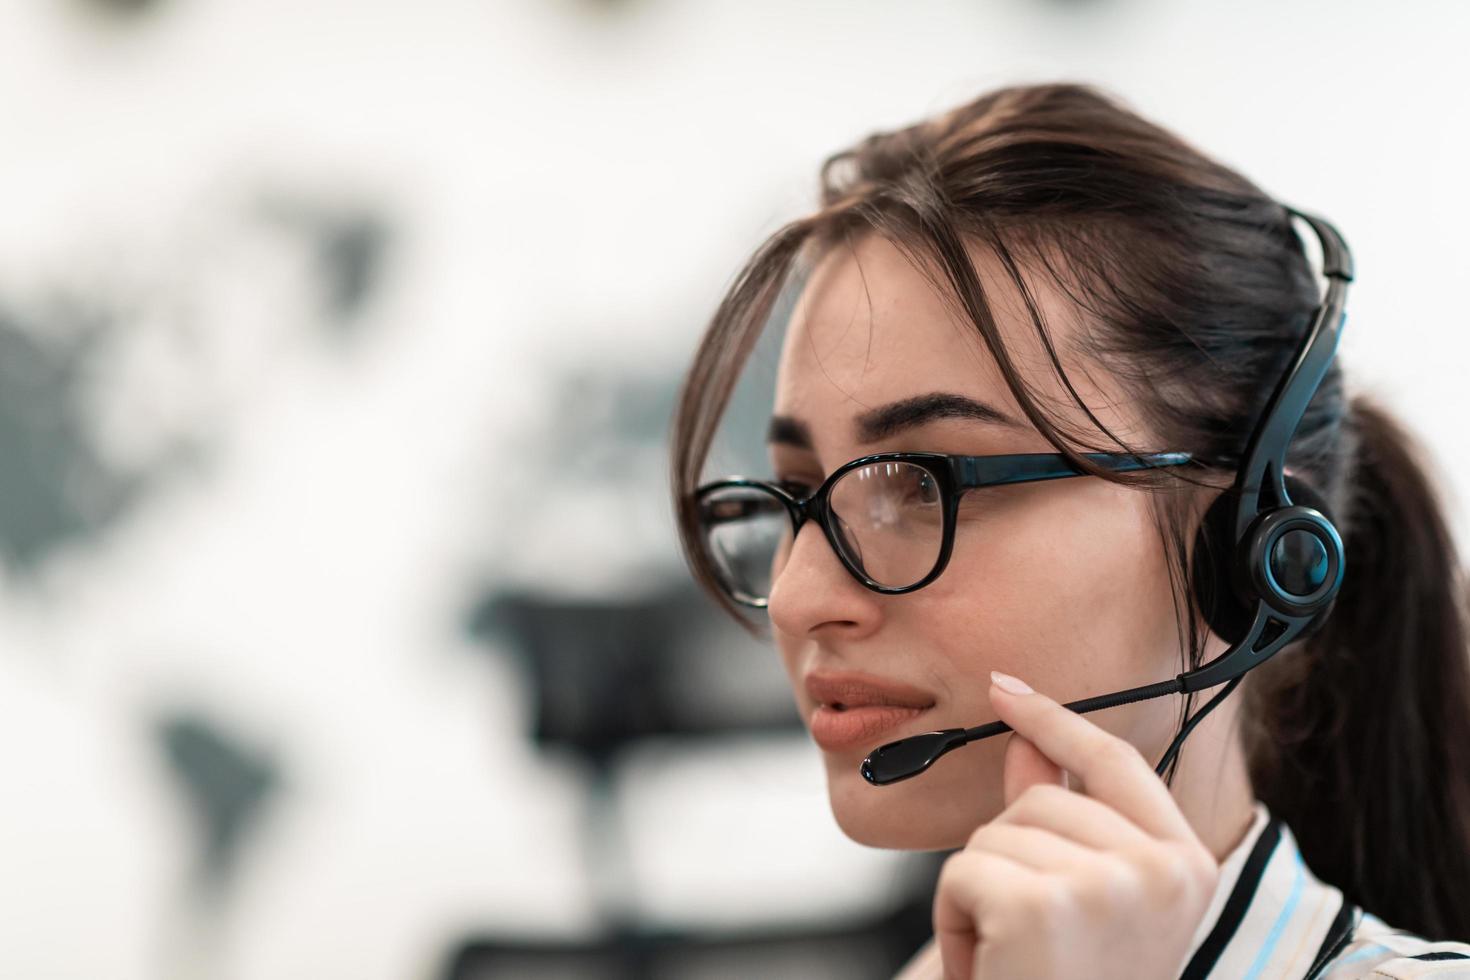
point(1361, 741)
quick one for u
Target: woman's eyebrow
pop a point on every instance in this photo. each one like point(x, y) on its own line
point(887, 420)
point(787, 431)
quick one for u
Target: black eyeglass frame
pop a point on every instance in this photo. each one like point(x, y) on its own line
point(953, 475)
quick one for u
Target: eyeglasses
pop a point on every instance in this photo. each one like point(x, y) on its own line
point(890, 517)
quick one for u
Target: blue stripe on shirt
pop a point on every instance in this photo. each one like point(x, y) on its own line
point(1263, 958)
point(1372, 949)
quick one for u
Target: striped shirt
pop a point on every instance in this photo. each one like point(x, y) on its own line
point(1272, 919)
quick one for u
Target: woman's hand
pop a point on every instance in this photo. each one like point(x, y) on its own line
point(1107, 882)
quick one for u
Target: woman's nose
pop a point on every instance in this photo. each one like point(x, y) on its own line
point(814, 590)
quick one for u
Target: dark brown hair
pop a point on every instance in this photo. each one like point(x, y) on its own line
point(1195, 291)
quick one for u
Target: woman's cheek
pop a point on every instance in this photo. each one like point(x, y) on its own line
point(1021, 567)
point(1024, 601)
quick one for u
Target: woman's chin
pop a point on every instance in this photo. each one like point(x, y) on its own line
point(926, 813)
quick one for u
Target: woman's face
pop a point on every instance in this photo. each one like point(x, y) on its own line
point(1062, 583)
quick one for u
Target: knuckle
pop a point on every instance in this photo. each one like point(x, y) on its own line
point(1119, 881)
point(1180, 873)
point(1039, 796)
point(953, 866)
point(1050, 900)
point(1206, 869)
point(951, 869)
point(1177, 873)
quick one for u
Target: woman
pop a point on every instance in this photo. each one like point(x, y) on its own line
point(1042, 271)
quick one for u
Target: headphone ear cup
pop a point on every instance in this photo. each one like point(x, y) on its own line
point(1216, 566)
point(1213, 572)
point(1302, 494)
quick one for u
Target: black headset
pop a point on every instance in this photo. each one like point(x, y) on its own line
point(1267, 561)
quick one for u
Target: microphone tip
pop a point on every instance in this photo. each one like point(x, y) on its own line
point(910, 756)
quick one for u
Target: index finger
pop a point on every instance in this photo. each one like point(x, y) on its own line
point(1110, 768)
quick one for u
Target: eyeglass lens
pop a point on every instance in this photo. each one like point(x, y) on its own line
point(887, 517)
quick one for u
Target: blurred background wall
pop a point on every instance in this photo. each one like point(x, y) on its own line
point(342, 631)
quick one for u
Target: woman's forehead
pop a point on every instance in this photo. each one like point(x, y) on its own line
point(869, 330)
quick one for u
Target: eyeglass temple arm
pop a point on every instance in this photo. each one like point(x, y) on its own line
point(982, 471)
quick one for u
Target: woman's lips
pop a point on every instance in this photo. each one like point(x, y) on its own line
point(838, 729)
point(855, 709)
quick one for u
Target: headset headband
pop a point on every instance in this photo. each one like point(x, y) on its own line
point(1263, 473)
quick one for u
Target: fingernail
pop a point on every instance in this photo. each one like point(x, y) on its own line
point(1008, 683)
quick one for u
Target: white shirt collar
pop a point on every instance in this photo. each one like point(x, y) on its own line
point(1269, 914)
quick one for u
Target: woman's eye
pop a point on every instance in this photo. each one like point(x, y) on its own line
point(926, 491)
